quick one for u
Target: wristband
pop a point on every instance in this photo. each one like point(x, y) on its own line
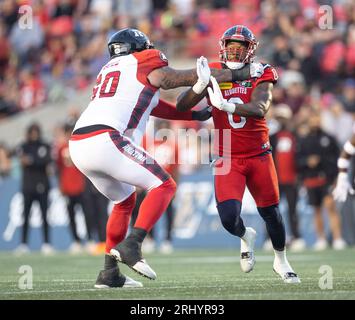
point(229, 107)
point(349, 148)
point(199, 86)
point(343, 163)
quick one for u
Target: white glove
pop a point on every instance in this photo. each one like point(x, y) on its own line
point(342, 188)
point(217, 99)
point(203, 73)
point(256, 70)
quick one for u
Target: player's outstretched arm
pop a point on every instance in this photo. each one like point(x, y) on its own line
point(166, 110)
point(191, 97)
point(169, 78)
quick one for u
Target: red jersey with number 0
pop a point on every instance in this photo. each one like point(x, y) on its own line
point(249, 136)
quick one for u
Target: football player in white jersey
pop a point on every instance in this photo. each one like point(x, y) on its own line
point(343, 185)
point(105, 144)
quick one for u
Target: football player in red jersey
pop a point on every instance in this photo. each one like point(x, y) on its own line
point(240, 107)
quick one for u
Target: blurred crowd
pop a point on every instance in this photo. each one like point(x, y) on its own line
point(65, 46)
point(313, 103)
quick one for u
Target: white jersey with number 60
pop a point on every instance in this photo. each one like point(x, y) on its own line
point(123, 98)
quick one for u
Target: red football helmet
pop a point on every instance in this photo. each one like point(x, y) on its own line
point(241, 55)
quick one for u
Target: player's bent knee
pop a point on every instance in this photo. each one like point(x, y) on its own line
point(168, 187)
point(270, 212)
point(229, 213)
point(127, 204)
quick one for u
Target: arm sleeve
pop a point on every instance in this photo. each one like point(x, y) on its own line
point(166, 110)
point(270, 75)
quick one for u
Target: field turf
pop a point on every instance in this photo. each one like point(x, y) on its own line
point(186, 274)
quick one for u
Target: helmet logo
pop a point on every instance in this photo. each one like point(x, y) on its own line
point(138, 33)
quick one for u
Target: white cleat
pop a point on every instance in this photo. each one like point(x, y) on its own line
point(247, 258)
point(141, 267)
point(320, 245)
point(47, 249)
point(112, 278)
point(297, 245)
point(286, 273)
point(130, 283)
point(339, 244)
point(166, 247)
point(75, 248)
point(21, 250)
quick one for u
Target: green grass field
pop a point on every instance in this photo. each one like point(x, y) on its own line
point(188, 274)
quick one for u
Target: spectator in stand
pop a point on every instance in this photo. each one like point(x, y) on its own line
point(72, 186)
point(282, 54)
point(294, 85)
point(35, 156)
point(334, 117)
point(317, 154)
point(4, 50)
point(67, 41)
point(347, 97)
point(9, 13)
point(27, 43)
point(31, 91)
point(283, 144)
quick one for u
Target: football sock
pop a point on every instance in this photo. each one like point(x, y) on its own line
point(229, 213)
point(280, 256)
point(137, 235)
point(246, 240)
point(118, 222)
point(154, 205)
point(110, 262)
point(274, 226)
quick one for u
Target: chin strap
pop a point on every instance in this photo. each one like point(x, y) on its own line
point(234, 65)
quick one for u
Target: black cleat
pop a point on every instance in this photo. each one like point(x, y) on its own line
point(112, 278)
point(129, 252)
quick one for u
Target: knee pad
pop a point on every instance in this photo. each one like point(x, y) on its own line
point(272, 212)
point(229, 213)
point(274, 225)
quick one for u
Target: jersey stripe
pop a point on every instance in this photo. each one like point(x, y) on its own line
point(141, 106)
point(138, 155)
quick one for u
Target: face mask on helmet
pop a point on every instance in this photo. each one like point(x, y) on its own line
point(236, 53)
point(120, 48)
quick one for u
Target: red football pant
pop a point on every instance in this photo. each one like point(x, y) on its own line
point(118, 222)
point(151, 209)
point(155, 204)
point(257, 173)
